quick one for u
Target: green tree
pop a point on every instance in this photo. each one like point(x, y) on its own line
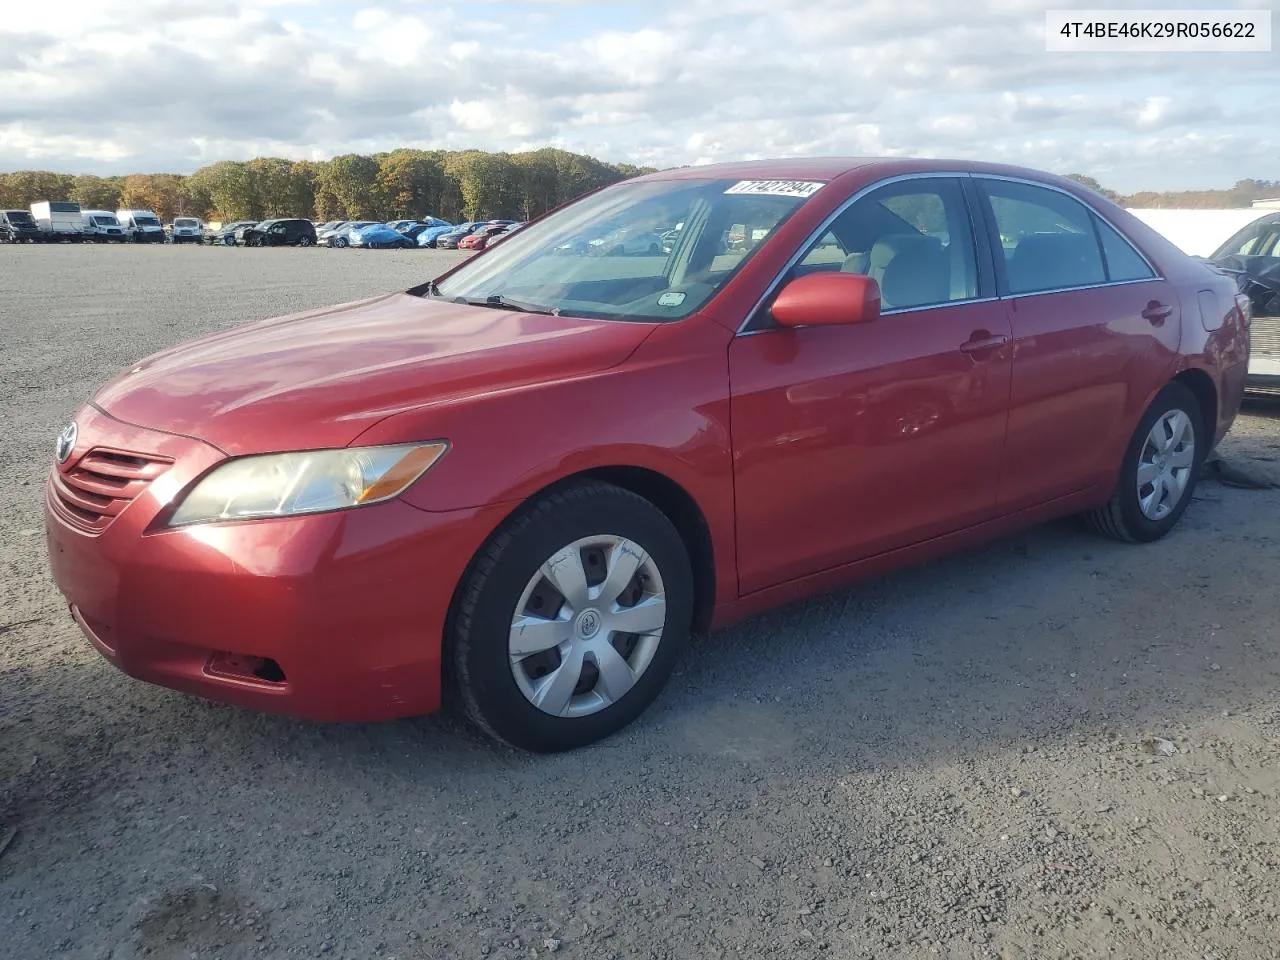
point(25, 187)
point(351, 179)
point(161, 193)
point(97, 193)
point(231, 189)
point(410, 183)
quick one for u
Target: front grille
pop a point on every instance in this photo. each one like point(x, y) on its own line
point(101, 484)
point(1264, 337)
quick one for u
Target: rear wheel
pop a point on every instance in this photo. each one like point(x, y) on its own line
point(1158, 475)
point(339, 242)
point(569, 622)
point(306, 241)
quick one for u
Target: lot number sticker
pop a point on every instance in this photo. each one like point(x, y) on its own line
point(777, 188)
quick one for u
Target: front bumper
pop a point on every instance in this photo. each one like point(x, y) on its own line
point(334, 617)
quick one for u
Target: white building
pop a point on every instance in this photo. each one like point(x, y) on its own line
point(1200, 232)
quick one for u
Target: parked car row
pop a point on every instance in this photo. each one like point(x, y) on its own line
point(64, 222)
point(367, 234)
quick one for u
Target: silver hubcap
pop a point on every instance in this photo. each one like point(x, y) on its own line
point(587, 626)
point(1165, 464)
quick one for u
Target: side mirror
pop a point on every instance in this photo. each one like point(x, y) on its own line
point(827, 299)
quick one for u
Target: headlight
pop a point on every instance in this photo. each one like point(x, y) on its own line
point(285, 484)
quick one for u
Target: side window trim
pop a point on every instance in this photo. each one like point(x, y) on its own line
point(754, 322)
point(980, 180)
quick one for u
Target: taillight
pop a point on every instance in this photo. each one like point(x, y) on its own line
point(1245, 308)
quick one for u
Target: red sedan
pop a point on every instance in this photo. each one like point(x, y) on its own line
point(533, 477)
point(482, 237)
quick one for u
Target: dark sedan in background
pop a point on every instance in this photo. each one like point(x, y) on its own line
point(227, 233)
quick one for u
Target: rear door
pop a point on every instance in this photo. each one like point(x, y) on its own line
point(1095, 334)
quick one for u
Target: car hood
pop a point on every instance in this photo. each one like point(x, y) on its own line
point(319, 379)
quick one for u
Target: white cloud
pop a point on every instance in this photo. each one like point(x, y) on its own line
point(172, 84)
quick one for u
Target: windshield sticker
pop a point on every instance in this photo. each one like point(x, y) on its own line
point(777, 188)
point(673, 299)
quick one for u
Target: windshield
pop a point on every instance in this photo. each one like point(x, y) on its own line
point(186, 222)
point(655, 250)
point(19, 216)
point(146, 221)
point(106, 221)
point(1249, 241)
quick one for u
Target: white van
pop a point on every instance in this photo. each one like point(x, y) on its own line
point(186, 230)
point(141, 226)
point(101, 226)
point(58, 219)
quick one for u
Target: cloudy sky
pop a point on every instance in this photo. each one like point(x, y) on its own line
point(118, 86)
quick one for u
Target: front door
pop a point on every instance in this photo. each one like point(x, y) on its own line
point(851, 441)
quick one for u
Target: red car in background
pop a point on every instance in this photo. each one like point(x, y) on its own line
point(531, 478)
point(482, 237)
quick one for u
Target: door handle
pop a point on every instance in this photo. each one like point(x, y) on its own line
point(1157, 312)
point(983, 342)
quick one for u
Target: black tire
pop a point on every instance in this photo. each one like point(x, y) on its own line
point(1121, 518)
point(306, 241)
point(477, 661)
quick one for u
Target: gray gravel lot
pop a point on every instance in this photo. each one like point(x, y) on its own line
point(947, 762)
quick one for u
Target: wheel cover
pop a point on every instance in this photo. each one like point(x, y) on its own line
point(1165, 463)
point(587, 626)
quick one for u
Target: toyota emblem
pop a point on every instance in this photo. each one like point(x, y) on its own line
point(66, 442)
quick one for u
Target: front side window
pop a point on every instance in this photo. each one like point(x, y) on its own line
point(913, 238)
point(652, 251)
point(1047, 238)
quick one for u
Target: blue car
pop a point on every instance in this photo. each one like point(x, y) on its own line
point(429, 236)
point(417, 226)
point(379, 236)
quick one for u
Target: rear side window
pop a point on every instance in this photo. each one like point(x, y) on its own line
point(1123, 262)
point(1046, 237)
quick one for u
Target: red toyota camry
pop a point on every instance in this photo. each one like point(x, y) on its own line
point(527, 481)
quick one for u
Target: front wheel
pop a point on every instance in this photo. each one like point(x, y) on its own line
point(569, 622)
point(1159, 472)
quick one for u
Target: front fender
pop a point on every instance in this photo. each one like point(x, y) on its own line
point(665, 410)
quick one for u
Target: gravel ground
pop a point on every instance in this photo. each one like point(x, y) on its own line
point(955, 761)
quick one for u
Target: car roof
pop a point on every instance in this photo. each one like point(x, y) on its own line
point(829, 168)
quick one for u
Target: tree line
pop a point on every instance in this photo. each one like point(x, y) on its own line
point(402, 184)
point(1241, 195)
point(456, 185)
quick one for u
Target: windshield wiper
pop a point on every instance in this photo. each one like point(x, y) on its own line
point(499, 302)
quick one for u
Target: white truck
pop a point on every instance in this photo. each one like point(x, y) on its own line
point(58, 220)
point(141, 226)
point(101, 226)
point(186, 230)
